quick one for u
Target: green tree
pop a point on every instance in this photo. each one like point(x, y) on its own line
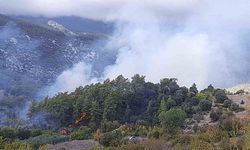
point(220, 96)
point(168, 86)
point(151, 113)
point(61, 108)
point(201, 96)
point(111, 106)
point(163, 106)
point(96, 114)
point(170, 103)
point(193, 89)
point(205, 105)
point(172, 119)
point(179, 96)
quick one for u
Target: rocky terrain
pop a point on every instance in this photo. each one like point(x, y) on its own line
point(32, 55)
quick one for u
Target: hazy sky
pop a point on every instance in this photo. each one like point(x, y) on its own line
point(202, 41)
point(95, 9)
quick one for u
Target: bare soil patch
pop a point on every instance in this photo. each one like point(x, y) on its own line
point(74, 145)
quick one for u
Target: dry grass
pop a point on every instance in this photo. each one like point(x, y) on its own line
point(245, 115)
point(74, 145)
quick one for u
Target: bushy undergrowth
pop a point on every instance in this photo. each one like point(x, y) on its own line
point(46, 139)
point(83, 133)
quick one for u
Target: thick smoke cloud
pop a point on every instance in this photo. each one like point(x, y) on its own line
point(206, 44)
point(202, 41)
point(79, 75)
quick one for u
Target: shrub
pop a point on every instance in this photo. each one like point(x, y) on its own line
point(188, 108)
point(141, 131)
point(36, 132)
point(220, 96)
point(201, 96)
point(240, 92)
point(170, 103)
point(172, 119)
point(212, 135)
point(111, 138)
point(46, 139)
point(141, 122)
point(215, 115)
point(197, 144)
point(240, 109)
point(234, 107)
point(82, 134)
point(246, 144)
point(4, 145)
point(23, 134)
point(205, 105)
point(8, 132)
point(227, 103)
point(232, 126)
point(156, 134)
point(17, 146)
point(107, 126)
point(242, 102)
point(183, 139)
point(2, 142)
point(227, 114)
point(194, 101)
point(98, 135)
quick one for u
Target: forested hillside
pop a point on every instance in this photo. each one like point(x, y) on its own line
point(135, 114)
point(126, 101)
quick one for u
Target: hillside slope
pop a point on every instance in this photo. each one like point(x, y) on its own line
point(33, 55)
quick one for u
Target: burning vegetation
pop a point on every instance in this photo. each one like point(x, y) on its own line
point(132, 114)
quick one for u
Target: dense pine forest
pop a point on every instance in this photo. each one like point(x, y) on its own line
point(133, 114)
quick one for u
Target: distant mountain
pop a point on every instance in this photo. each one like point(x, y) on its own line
point(32, 55)
point(60, 28)
point(73, 23)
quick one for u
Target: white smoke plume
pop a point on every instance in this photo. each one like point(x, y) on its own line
point(201, 41)
point(204, 45)
point(79, 75)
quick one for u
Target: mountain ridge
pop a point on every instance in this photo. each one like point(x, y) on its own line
point(32, 53)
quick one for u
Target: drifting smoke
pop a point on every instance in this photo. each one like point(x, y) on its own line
point(79, 75)
point(204, 45)
point(195, 41)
